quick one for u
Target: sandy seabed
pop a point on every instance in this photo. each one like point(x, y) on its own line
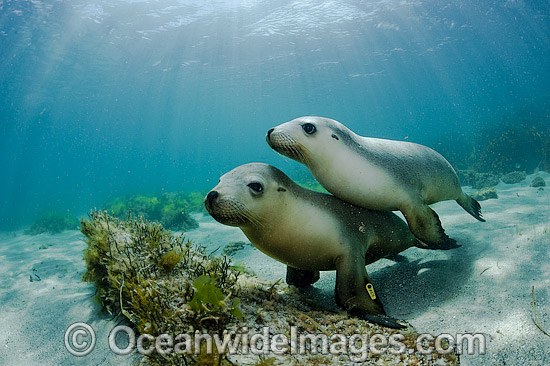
point(483, 287)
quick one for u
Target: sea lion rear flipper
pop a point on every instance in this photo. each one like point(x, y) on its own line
point(301, 277)
point(471, 206)
point(425, 225)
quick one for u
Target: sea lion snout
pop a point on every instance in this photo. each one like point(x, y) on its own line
point(225, 209)
point(210, 197)
point(268, 136)
point(283, 142)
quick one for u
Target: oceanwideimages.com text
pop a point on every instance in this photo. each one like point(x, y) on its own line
point(80, 340)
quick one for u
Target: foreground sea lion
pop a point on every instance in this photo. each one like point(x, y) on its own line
point(311, 232)
point(375, 173)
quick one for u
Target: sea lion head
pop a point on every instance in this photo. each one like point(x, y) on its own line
point(248, 195)
point(304, 138)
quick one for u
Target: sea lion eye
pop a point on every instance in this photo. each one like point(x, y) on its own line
point(309, 128)
point(256, 187)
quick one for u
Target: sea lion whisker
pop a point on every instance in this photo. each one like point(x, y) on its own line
point(241, 213)
point(291, 144)
point(285, 142)
point(237, 211)
point(253, 217)
point(299, 153)
point(304, 153)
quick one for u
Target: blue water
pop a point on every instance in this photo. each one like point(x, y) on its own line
point(105, 98)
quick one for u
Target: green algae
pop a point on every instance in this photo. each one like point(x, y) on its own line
point(53, 222)
point(157, 281)
point(169, 260)
point(171, 210)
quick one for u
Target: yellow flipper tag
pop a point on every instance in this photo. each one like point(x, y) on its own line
point(370, 290)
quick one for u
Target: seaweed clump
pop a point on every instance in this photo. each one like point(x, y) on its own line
point(170, 209)
point(53, 222)
point(169, 260)
point(163, 284)
point(477, 180)
point(485, 194)
point(159, 282)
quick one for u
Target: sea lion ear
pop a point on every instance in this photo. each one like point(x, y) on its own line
point(281, 189)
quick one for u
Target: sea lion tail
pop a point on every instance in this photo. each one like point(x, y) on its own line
point(471, 206)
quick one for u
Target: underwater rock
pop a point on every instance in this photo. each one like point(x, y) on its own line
point(538, 182)
point(513, 177)
point(53, 222)
point(485, 194)
point(477, 180)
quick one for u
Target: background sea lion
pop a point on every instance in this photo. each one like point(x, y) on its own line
point(311, 232)
point(376, 173)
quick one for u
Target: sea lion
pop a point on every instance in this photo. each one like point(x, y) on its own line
point(376, 173)
point(311, 232)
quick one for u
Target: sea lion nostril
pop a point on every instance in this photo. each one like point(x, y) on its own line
point(212, 195)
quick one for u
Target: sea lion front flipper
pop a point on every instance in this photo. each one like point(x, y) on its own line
point(355, 293)
point(425, 225)
point(301, 277)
